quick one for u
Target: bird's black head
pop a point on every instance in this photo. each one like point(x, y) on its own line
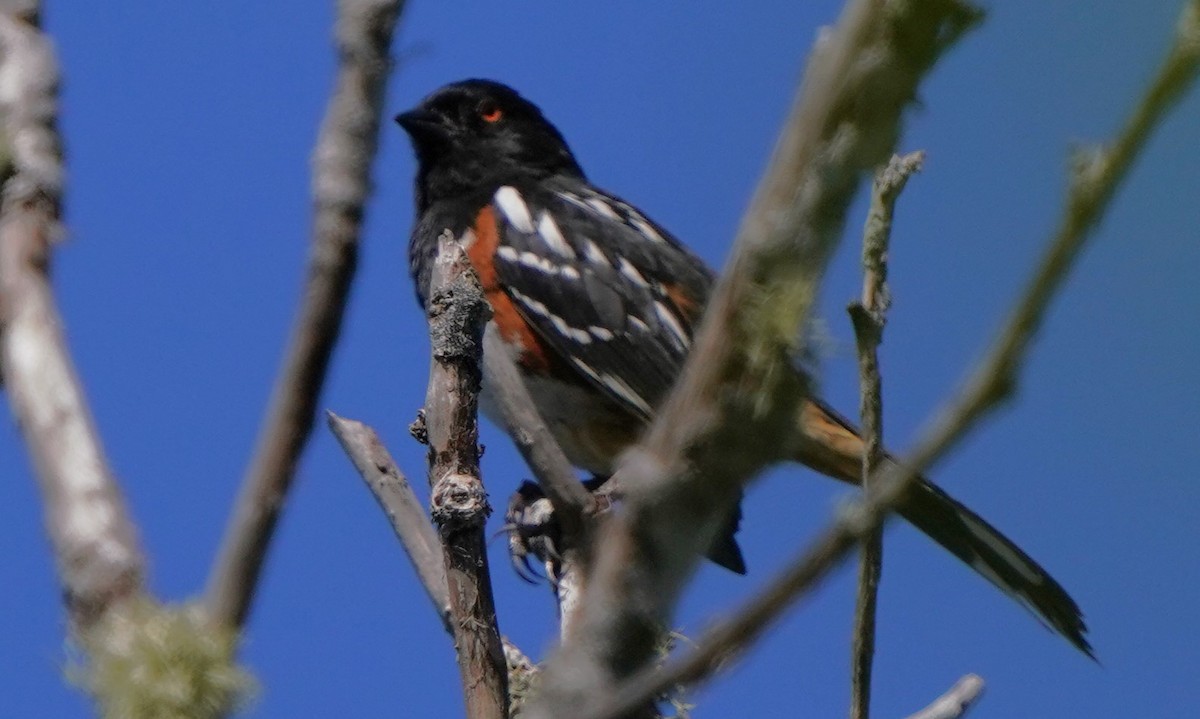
point(473, 136)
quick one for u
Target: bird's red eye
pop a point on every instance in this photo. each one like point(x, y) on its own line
point(491, 113)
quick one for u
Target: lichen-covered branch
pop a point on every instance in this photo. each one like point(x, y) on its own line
point(993, 377)
point(100, 562)
point(731, 413)
point(457, 313)
point(869, 316)
point(342, 162)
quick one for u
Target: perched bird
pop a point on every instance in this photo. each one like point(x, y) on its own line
point(598, 304)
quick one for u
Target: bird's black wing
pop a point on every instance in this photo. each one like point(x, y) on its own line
point(612, 292)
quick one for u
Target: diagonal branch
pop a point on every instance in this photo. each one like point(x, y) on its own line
point(733, 410)
point(955, 702)
point(100, 562)
point(529, 432)
point(341, 185)
point(573, 506)
point(398, 501)
point(869, 316)
point(417, 535)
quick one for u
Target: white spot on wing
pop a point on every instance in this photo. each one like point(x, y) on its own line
point(625, 392)
point(560, 325)
point(553, 237)
point(668, 318)
point(594, 254)
point(505, 252)
point(587, 368)
point(537, 262)
point(631, 272)
point(600, 332)
point(532, 304)
point(637, 322)
point(514, 208)
point(573, 199)
point(602, 208)
point(644, 227)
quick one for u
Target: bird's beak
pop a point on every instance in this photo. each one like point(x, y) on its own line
point(422, 124)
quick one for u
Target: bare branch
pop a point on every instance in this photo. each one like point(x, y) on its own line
point(956, 702)
point(545, 458)
point(457, 312)
point(1097, 173)
point(857, 520)
point(407, 517)
point(100, 562)
point(572, 504)
point(398, 501)
point(733, 410)
point(341, 184)
point(869, 316)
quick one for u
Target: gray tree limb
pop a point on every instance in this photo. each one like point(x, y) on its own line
point(417, 535)
point(457, 313)
point(732, 412)
point(869, 315)
point(404, 511)
point(100, 561)
point(342, 162)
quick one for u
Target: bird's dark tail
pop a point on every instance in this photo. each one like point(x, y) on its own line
point(833, 447)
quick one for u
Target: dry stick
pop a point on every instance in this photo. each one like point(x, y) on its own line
point(398, 501)
point(573, 504)
point(956, 701)
point(869, 316)
point(100, 562)
point(733, 410)
point(993, 380)
point(341, 185)
point(528, 430)
point(407, 516)
point(457, 313)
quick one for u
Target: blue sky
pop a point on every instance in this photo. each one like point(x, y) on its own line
point(189, 128)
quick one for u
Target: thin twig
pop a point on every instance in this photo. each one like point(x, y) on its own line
point(955, 703)
point(993, 378)
point(398, 501)
point(869, 316)
point(414, 530)
point(341, 184)
point(100, 562)
point(733, 411)
point(528, 430)
point(573, 505)
point(457, 313)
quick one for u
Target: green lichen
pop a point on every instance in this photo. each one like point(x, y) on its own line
point(147, 660)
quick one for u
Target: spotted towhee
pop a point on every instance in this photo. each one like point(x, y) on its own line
point(598, 304)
